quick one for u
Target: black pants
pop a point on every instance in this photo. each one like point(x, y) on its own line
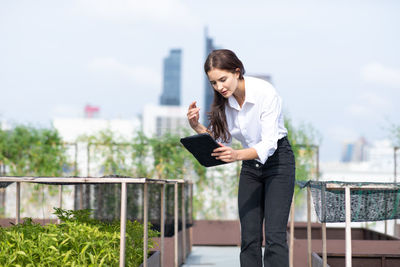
point(265, 193)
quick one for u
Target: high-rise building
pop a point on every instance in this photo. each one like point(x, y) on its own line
point(355, 151)
point(171, 95)
point(208, 90)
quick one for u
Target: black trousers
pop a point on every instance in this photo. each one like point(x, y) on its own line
point(265, 195)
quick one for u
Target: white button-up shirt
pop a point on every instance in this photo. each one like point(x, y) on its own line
point(259, 122)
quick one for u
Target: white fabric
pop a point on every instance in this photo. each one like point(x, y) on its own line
point(259, 123)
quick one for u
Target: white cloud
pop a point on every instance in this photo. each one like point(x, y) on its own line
point(139, 74)
point(164, 11)
point(358, 110)
point(340, 133)
point(370, 105)
point(380, 74)
point(64, 110)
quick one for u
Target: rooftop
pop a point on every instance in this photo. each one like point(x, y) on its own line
point(213, 256)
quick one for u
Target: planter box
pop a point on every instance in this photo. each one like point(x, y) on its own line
point(169, 248)
point(369, 248)
point(317, 260)
point(153, 260)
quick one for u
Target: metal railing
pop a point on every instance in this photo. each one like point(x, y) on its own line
point(60, 181)
point(330, 186)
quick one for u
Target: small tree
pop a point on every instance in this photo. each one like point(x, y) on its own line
point(30, 151)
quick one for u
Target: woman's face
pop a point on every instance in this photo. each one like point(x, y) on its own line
point(224, 82)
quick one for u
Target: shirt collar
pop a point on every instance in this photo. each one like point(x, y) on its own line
point(249, 98)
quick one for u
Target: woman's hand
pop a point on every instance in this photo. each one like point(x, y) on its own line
point(225, 153)
point(193, 115)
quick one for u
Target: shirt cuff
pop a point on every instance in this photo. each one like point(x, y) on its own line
point(265, 150)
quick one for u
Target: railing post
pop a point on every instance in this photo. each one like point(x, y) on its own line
point(18, 203)
point(123, 225)
point(324, 252)
point(348, 226)
point(395, 181)
point(60, 195)
point(162, 225)
point(309, 236)
point(183, 224)
point(145, 223)
point(176, 203)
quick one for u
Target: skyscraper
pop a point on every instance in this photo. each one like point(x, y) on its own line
point(208, 90)
point(171, 95)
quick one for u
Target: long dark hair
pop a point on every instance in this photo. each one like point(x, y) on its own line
point(222, 59)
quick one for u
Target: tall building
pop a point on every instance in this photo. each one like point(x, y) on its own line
point(355, 151)
point(208, 90)
point(171, 95)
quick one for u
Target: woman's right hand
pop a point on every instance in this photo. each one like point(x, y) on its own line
point(193, 115)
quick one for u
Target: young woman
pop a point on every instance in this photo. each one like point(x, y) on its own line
point(249, 110)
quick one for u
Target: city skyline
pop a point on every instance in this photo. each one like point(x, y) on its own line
point(339, 75)
point(171, 93)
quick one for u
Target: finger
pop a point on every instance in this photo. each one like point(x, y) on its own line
point(194, 110)
point(192, 114)
point(225, 159)
point(193, 105)
point(221, 154)
point(221, 149)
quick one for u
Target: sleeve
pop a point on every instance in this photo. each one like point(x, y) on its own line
point(269, 119)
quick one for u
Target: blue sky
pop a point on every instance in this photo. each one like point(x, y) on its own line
point(336, 64)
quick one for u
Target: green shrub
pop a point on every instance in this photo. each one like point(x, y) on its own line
point(78, 241)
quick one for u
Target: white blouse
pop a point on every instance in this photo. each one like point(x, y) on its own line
point(259, 123)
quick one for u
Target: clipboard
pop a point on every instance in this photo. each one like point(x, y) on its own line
point(201, 146)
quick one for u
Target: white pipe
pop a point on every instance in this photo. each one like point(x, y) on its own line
point(123, 226)
point(183, 224)
point(145, 224)
point(18, 204)
point(176, 264)
point(162, 225)
point(348, 227)
point(60, 192)
point(309, 237)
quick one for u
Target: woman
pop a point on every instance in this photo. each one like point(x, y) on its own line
point(250, 110)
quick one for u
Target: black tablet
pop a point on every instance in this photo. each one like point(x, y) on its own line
point(201, 146)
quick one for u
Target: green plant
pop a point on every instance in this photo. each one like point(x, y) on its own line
point(304, 141)
point(78, 241)
point(30, 151)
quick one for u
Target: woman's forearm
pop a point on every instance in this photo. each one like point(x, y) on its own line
point(200, 129)
point(247, 154)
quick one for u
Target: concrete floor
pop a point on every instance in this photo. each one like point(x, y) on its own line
point(213, 256)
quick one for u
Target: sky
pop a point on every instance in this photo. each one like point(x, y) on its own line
point(336, 64)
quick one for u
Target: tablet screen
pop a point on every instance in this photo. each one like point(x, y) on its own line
point(201, 146)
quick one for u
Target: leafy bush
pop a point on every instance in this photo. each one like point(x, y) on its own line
point(29, 151)
point(78, 241)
